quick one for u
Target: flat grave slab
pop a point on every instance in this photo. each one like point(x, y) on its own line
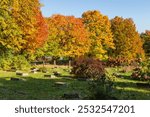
point(61, 84)
point(17, 79)
point(49, 76)
point(14, 79)
point(22, 74)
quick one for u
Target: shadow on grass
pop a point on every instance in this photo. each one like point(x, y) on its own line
point(38, 89)
point(45, 89)
point(125, 94)
point(129, 89)
point(67, 77)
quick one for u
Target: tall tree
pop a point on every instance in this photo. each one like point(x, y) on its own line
point(127, 40)
point(29, 18)
point(67, 36)
point(98, 27)
point(146, 38)
point(10, 32)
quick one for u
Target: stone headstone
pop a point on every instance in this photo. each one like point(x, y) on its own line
point(14, 79)
point(33, 71)
point(60, 84)
point(49, 76)
point(19, 73)
point(25, 74)
point(57, 73)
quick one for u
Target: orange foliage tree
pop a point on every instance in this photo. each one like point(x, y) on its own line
point(31, 22)
point(67, 37)
point(127, 41)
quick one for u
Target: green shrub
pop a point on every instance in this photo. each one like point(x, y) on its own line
point(43, 69)
point(102, 89)
point(88, 68)
point(20, 62)
point(16, 62)
point(5, 63)
point(142, 72)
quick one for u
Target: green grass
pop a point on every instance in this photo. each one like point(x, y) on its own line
point(37, 87)
point(126, 87)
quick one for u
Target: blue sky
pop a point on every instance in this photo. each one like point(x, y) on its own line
point(138, 10)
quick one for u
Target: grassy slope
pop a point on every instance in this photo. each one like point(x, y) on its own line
point(126, 88)
point(37, 87)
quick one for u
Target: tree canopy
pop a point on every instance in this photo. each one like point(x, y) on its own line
point(146, 38)
point(100, 33)
point(127, 41)
point(10, 32)
point(24, 31)
point(67, 36)
point(23, 28)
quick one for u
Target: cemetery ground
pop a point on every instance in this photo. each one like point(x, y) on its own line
point(58, 84)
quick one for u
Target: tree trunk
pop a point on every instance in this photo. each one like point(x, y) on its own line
point(54, 62)
point(70, 61)
point(43, 61)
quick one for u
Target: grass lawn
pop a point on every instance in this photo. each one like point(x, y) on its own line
point(36, 86)
point(126, 88)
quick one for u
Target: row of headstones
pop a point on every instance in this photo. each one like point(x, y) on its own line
point(53, 75)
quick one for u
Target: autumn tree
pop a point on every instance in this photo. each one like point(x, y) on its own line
point(99, 30)
point(146, 38)
point(22, 30)
point(127, 41)
point(10, 32)
point(31, 22)
point(67, 37)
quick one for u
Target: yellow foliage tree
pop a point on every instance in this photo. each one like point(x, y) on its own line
point(100, 33)
point(127, 40)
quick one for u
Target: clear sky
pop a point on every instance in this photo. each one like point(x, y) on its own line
point(138, 10)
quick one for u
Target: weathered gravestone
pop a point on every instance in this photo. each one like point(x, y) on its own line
point(60, 84)
point(50, 76)
point(57, 73)
point(21, 74)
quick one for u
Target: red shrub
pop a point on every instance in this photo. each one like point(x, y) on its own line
point(88, 68)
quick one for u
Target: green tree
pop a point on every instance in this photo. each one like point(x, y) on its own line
point(31, 22)
point(127, 41)
point(22, 28)
point(100, 33)
point(146, 38)
point(10, 32)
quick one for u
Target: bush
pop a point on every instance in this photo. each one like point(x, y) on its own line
point(5, 63)
point(142, 72)
point(16, 62)
point(43, 69)
point(20, 62)
point(119, 61)
point(102, 89)
point(88, 68)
